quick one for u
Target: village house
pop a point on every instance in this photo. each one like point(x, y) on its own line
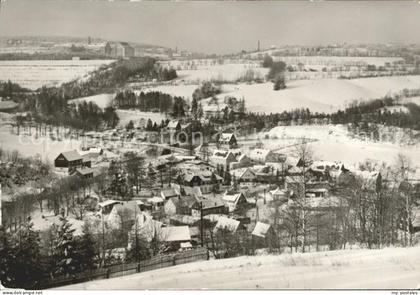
point(278, 194)
point(263, 230)
point(146, 228)
point(206, 180)
point(209, 205)
point(105, 207)
point(175, 236)
point(70, 160)
point(262, 156)
point(83, 173)
point(222, 158)
point(188, 220)
point(228, 224)
point(228, 140)
point(234, 200)
point(179, 205)
point(169, 193)
point(244, 176)
point(242, 161)
point(123, 215)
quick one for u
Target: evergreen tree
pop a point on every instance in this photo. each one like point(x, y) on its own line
point(194, 108)
point(67, 263)
point(87, 252)
point(26, 270)
point(149, 125)
point(200, 112)
point(7, 259)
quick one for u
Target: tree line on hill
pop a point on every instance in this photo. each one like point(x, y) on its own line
point(154, 101)
point(377, 111)
point(109, 77)
point(51, 107)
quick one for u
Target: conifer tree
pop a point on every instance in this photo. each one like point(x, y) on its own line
point(86, 249)
point(26, 270)
point(67, 263)
point(6, 258)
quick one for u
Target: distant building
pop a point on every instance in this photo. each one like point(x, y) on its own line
point(119, 49)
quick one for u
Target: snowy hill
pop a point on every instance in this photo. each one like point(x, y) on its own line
point(393, 268)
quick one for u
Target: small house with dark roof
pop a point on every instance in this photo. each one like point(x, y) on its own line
point(70, 160)
point(209, 205)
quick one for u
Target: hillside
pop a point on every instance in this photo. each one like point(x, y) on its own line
point(323, 95)
point(393, 268)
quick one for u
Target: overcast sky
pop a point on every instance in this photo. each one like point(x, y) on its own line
point(216, 27)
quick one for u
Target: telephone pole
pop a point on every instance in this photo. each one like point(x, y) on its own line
point(201, 224)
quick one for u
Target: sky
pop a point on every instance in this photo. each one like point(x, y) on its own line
point(216, 27)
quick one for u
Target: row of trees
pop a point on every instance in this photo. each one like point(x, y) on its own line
point(51, 107)
point(114, 75)
point(151, 101)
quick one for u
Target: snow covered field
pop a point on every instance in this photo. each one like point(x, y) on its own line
point(135, 115)
point(226, 72)
point(36, 73)
point(48, 149)
point(392, 268)
point(322, 95)
point(333, 143)
point(102, 100)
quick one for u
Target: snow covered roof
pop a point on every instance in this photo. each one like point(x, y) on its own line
point(226, 137)
point(211, 202)
point(173, 124)
point(168, 193)
point(261, 229)
point(278, 192)
point(221, 154)
point(227, 224)
point(231, 197)
point(108, 203)
point(193, 191)
point(175, 233)
point(72, 155)
point(156, 200)
point(213, 217)
point(258, 153)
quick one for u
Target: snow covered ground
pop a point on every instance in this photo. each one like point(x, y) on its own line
point(392, 268)
point(45, 147)
point(102, 100)
point(226, 72)
point(333, 143)
point(136, 115)
point(36, 73)
point(324, 95)
point(321, 95)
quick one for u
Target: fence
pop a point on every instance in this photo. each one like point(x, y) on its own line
point(156, 262)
